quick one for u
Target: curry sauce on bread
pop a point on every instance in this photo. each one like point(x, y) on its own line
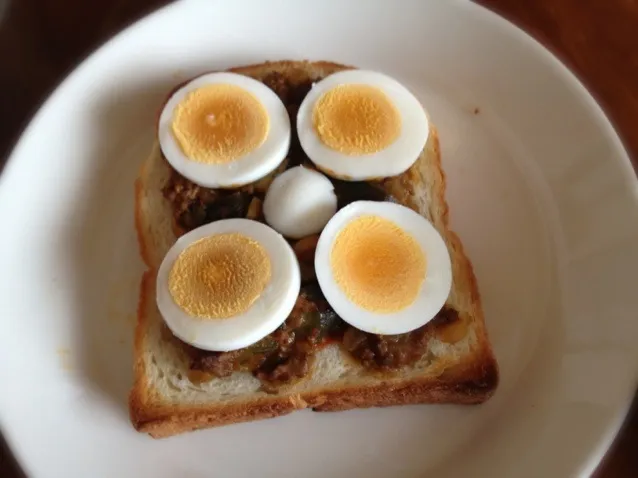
point(448, 359)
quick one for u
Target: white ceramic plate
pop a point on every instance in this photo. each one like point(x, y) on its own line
point(540, 189)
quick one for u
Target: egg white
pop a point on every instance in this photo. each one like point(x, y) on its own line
point(250, 167)
point(267, 313)
point(391, 161)
point(435, 288)
point(299, 202)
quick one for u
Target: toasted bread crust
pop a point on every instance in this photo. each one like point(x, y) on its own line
point(142, 244)
point(471, 381)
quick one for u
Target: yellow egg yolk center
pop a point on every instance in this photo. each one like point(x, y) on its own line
point(219, 276)
point(356, 119)
point(378, 266)
point(219, 123)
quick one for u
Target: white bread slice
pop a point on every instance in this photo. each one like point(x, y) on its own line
point(459, 366)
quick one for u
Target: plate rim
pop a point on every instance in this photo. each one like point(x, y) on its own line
point(546, 53)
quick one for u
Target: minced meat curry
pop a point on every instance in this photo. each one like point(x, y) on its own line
point(287, 354)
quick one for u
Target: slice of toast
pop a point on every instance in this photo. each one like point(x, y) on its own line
point(458, 367)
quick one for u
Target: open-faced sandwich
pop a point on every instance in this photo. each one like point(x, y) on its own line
point(292, 216)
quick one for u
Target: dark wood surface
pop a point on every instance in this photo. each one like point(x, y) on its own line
point(41, 41)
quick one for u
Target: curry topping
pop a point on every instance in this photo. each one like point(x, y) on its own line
point(288, 353)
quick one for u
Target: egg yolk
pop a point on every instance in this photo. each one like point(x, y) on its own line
point(219, 123)
point(377, 265)
point(219, 276)
point(356, 119)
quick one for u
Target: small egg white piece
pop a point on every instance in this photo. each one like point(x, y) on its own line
point(383, 268)
point(212, 269)
point(224, 130)
point(358, 124)
point(300, 202)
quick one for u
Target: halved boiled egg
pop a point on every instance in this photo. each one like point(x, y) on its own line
point(224, 130)
point(227, 284)
point(358, 125)
point(382, 267)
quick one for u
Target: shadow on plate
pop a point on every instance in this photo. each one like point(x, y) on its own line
point(103, 252)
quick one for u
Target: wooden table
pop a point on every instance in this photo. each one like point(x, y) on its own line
point(41, 40)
